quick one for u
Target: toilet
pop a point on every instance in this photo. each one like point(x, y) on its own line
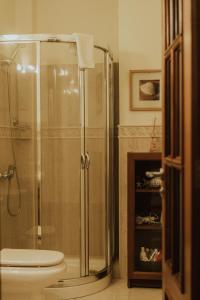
point(26, 272)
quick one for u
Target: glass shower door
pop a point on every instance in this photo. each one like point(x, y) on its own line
point(96, 149)
point(61, 145)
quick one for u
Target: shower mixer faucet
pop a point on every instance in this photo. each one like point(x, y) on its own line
point(7, 175)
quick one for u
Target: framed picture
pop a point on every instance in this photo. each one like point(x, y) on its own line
point(145, 90)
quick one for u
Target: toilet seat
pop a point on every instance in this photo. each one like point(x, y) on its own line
point(30, 258)
point(25, 272)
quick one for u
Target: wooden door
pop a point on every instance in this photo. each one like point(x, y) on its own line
point(177, 150)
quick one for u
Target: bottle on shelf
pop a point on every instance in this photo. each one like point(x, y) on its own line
point(143, 255)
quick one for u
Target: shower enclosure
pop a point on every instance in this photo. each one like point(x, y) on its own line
point(56, 141)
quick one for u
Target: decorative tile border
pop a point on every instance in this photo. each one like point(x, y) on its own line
point(72, 133)
point(75, 132)
point(7, 132)
point(95, 132)
point(61, 133)
point(139, 131)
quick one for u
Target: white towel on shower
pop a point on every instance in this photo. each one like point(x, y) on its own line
point(85, 50)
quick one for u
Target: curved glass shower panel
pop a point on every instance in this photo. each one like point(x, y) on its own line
point(111, 178)
point(18, 84)
point(56, 145)
point(96, 147)
point(60, 153)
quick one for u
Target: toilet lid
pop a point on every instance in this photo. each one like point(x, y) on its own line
point(30, 258)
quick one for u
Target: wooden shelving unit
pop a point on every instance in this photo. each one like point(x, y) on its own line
point(144, 268)
point(148, 227)
point(147, 191)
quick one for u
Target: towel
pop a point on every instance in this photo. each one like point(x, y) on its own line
point(85, 50)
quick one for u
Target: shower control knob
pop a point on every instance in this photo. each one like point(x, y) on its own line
point(9, 173)
point(3, 175)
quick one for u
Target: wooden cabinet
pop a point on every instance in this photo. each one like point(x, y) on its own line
point(144, 220)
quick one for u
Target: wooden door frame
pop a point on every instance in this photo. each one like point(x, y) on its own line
point(191, 125)
point(195, 151)
point(192, 146)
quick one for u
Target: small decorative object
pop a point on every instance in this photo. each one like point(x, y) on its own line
point(143, 255)
point(151, 219)
point(154, 179)
point(152, 183)
point(145, 90)
point(150, 255)
point(139, 185)
point(155, 182)
point(153, 255)
point(161, 217)
point(154, 145)
point(158, 256)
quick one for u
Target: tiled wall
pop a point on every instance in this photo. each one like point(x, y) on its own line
point(61, 190)
point(131, 139)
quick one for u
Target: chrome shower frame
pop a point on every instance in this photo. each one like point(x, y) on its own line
point(85, 277)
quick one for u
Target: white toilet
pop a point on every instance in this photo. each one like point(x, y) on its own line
point(25, 273)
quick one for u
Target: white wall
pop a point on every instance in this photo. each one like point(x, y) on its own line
point(6, 16)
point(97, 17)
point(16, 16)
point(140, 47)
point(130, 28)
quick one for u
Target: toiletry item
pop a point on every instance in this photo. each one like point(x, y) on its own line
point(153, 256)
point(158, 256)
point(143, 255)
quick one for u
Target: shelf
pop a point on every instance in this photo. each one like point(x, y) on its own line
point(145, 275)
point(149, 227)
point(148, 267)
point(147, 190)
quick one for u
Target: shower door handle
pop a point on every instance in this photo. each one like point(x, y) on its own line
point(83, 161)
point(85, 165)
point(87, 160)
point(87, 204)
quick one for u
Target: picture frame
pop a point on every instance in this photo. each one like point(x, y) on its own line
point(145, 90)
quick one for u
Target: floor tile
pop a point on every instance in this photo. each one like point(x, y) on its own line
point(118, 291)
